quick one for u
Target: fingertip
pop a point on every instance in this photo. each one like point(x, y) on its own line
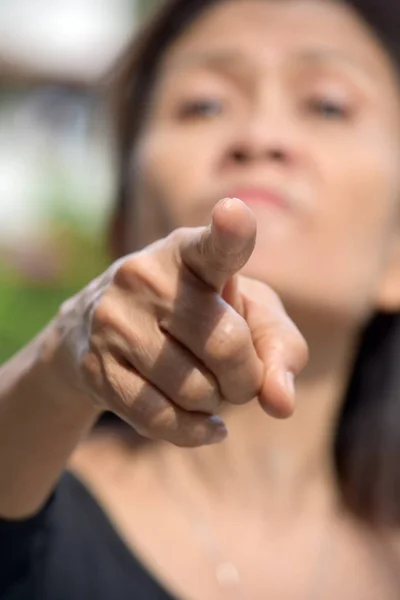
point(277, 396)
point(233, 217)
point(218, 251)
point(218, 432)
point(280, 412)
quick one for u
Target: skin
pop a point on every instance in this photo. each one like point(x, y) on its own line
point(124, 342)
point(293, 105)
point(284, 95)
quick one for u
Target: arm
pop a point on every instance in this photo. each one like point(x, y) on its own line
point(41, 422)
point(156, 340)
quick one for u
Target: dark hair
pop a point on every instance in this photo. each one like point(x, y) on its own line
point(367, 441)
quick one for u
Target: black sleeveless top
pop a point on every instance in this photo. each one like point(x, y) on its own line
point(70, 551)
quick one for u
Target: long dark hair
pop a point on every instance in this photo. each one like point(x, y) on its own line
point(367, 441)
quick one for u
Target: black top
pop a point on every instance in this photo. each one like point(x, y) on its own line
point(70, 551)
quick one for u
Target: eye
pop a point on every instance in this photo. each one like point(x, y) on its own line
point(206, 108)
point(329, 109)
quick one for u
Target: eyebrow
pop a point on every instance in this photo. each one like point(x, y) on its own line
point(326, 56)
point(224, 60)
point(232, 65)
point(211, 59)
point(235, 64)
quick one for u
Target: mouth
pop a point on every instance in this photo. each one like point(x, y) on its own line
point(261, 196)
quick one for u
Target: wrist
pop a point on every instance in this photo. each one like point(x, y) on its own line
point(54, 376)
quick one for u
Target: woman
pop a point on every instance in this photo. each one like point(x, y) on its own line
point(294, 108)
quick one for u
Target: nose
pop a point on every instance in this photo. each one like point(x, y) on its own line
point(268, 136)
point(244, 153)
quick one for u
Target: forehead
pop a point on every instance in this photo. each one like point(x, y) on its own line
point(267, 32)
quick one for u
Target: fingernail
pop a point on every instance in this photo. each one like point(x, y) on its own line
point(289, 383)
point(219, 431)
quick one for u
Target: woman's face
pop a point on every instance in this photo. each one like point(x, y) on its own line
point(293, 107)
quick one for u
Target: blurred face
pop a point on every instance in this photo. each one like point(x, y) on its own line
point(293, 107)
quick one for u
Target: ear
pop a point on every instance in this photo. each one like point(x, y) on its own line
point(389, 293)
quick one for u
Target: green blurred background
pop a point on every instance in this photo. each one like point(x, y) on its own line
point(56, 165)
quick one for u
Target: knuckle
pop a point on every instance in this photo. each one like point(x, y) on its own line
point(154, 422)
point(230, 342)
point(150, 412)
point(198, 394)
point(140, 412)
point(143, 275)
point(110, 325)
point(104, 311)
point(129, 273)
point(279, 343)
point(289, 342)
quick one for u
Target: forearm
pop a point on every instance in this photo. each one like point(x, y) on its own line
point(41, 422)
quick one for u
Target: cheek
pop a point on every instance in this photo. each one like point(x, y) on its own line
point(361, 200)
point(359, 220)
point(334, 260)
point(359, 210)
point(172, 171)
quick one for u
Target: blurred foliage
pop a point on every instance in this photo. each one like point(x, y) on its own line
point(28, 302)
point(26, 306)
point(24, 310)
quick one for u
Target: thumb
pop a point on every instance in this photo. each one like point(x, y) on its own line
point(278, 343)
point(218, 251)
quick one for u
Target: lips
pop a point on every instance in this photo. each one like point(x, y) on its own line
point(260, 195)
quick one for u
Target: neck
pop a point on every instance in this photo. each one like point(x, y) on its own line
point(286, 461)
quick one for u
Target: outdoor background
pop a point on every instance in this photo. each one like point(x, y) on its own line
point(56, 172)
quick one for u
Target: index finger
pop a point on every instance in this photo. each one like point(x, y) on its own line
point(217, 252)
